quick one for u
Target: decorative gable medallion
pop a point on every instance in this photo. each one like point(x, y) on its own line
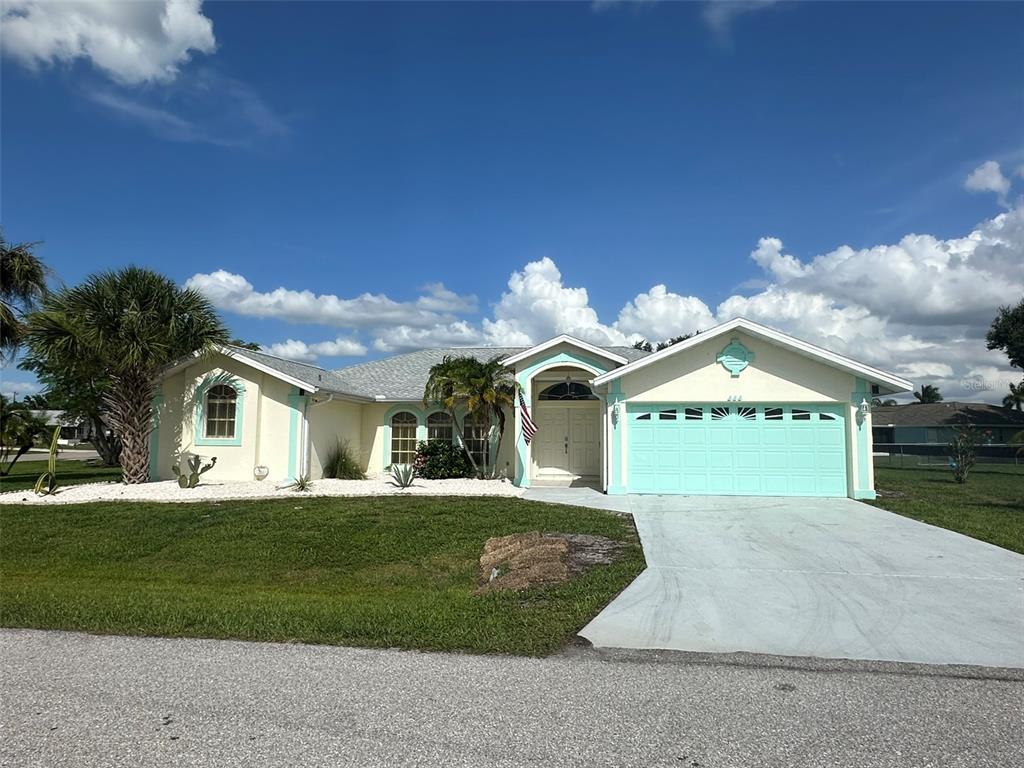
point(735, 357)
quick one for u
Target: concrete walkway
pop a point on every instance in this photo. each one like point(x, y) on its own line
point(73, 700)
point(831, 578)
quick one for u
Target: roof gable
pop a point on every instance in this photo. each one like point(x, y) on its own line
point(537, 349)
point(871, 374)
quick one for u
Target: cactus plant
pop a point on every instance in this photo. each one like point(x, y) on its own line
point(47, 482)
point(190, 479)
point(403, 474)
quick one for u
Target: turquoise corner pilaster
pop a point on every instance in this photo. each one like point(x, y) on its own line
point(616, 486)
point(154, 437)
point(297, 406)
point(862, 487)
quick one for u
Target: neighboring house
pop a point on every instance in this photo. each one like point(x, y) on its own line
point(937, 423)
point(738, 409)
point(72, 431)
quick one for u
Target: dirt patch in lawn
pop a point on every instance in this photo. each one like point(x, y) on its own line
point(535, 559)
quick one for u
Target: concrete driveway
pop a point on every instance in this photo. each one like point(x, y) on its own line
point(814, 577)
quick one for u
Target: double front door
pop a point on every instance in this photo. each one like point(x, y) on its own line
point(568, 440)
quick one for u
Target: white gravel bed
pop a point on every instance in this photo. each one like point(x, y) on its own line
point(169, 492)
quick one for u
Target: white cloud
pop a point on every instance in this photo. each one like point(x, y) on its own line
point(720, 14)
point(133, 42)
point(660, 314)
point(232, 292)
point(19, 388)
point(403, 338)
point(538, 305)
point(988, 177)
point(292, 349)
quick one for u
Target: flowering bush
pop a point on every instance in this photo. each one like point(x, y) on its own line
point(440, 460)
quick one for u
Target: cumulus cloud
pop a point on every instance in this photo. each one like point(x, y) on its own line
point(660, 314)
point(132, 42)
point(14, 389)
point(403, 338)
point(293, 349)
point(988, 177)
point(232, 292)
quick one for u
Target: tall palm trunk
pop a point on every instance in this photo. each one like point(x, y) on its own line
point(131, 415)
point(462, 441)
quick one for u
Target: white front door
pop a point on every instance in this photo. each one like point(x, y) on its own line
point(568, 441)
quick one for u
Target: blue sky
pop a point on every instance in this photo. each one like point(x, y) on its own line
point(588, 152)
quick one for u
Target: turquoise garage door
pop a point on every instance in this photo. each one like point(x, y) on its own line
point(759, 450)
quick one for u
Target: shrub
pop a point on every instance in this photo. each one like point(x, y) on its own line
point(438, 460)
point(963, 450)
point(402, 475)
point(340, 464)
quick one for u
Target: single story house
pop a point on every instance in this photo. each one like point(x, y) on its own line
point(72, 430)
point(738, 409)
point(937, 423)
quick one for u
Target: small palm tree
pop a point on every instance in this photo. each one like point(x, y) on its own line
point(22, 285)
point(481, 389)
point(1015, 399)
point(129, 324)
point(18, 429)
point(928, 394)
point(877, 402)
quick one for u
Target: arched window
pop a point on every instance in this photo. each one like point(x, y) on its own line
point(221, 410)
point(403, 438)
point(567, 390)
point(439, 427)
point(477, 433)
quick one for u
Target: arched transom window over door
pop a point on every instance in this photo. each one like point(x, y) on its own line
point(439, 427)
point(403, 438)
point(567, 390)
point(220, 412)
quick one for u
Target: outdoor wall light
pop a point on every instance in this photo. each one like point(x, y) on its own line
point(615, 413)
point(863, 410)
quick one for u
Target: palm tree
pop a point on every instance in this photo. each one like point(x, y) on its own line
point(128, 324)
point(1015, 399)
point(878, 402)
point(928, 394)
point(22, 285)
point(18, 429)
point(481, 389)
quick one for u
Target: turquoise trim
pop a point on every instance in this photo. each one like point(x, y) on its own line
point(616, 486)
point(154, 437)
point(864, 442)
point(523, 379)
point(296, 406)
point(200, 411)
point(735, 357)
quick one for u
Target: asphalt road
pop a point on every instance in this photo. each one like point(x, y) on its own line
point(79, 700)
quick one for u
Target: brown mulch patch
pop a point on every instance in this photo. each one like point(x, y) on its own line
point(525, 560)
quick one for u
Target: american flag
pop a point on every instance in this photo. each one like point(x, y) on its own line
point(529, 428)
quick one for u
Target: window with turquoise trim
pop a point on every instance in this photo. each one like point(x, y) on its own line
point(439, 427)
point(221, 412)
point(403, 437)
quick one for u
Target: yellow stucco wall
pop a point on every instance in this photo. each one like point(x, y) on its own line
point(330, 422)
point(265, 420)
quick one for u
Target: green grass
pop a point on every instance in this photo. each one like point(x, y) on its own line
point(391, 572)
point(69, 472)
point(990, 506)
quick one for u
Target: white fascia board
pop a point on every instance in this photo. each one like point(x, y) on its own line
point(771, 335)
point(564, 338)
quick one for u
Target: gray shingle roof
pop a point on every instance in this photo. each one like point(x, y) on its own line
point(400, 377)
point(945, 414)
point(403, 377)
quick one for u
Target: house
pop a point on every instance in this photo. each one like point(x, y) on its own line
point(72, 430)
point(738, 409)
point(937, 423)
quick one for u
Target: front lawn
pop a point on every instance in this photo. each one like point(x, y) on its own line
point(990, 506)
point(386, 571)
point(69, 472)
